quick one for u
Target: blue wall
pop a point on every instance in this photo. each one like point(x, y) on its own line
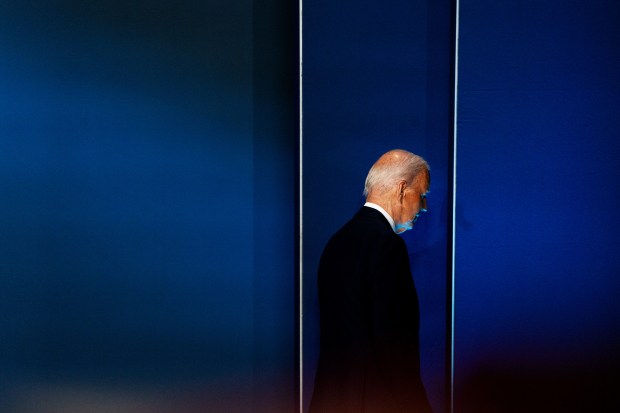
point(536, 312)
point(134, 266)
point(537, 260)
point(376, 76)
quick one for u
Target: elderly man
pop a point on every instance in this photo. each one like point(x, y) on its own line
point(369, 315)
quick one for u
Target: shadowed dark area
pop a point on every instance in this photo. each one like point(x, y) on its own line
point(541, 389)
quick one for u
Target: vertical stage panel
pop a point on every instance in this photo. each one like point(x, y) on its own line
point(537, 206)
point(147, 223)
point(376, 76)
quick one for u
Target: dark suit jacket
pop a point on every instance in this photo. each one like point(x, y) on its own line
point(369, 315)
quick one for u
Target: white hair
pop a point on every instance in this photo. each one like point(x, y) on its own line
point(404, 165)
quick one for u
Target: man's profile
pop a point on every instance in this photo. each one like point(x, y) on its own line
point(369, 315)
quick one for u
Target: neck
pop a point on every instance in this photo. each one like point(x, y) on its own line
point(383, 203)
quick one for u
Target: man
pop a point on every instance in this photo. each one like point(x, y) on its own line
point(369, 315)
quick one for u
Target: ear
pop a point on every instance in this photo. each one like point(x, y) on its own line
point(401, 190)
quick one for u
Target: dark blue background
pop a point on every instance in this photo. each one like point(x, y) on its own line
point(148, 185)
point(147, 222)
point(537, 204)
point(376, 76)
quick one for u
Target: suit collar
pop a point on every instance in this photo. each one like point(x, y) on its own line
point(387, 216)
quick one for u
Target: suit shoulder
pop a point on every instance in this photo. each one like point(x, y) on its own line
point(366, 230)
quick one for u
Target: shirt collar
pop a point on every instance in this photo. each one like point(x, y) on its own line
point(384, 212)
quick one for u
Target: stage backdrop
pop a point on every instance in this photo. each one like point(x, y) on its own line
point(537, 204)
point(376, 76)
point(147, 213)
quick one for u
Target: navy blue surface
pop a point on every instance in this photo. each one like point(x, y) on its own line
point(133, 255)
point(537, 243)
point(376, 76)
